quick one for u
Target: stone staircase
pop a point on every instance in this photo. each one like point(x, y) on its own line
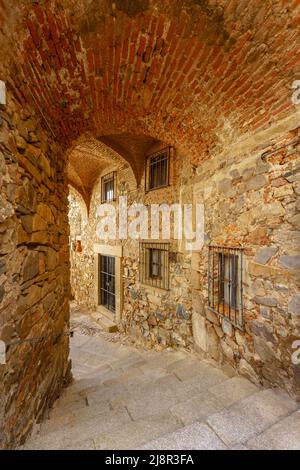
point(105, 322)
point(123, 398)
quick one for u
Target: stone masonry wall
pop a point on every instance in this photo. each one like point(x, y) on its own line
point(252, 201)
point(158, 318)
point(153, 317)
point(82, 263)
point(34, 271)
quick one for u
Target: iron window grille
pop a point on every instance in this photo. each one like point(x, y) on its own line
point(154, 264)
point(107, 282)
point(108, 187)
point(157, 169)
point(225, 283)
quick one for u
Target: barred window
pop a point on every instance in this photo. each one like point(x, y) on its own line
point(107, 282)
point(108, 187)
point(225, 283)
point(157, 170)
point(154, 264)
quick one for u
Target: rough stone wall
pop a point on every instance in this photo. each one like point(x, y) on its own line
point(34, 271)
point(253, 202)
point(158, 318)
point(251, 199)
point(152, 316)
point(82, 263)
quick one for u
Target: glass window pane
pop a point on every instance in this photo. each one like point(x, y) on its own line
point(108, 185)
point(158, 171)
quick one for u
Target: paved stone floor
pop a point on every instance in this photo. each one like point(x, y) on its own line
point(124, 398)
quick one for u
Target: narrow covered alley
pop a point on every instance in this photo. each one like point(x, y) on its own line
point(149, 224)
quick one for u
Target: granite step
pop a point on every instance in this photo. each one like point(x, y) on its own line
point(196, 436)
point(284, 435)
point(105, 323)
point(125, 398)
point(258, 421)
point(251, 416)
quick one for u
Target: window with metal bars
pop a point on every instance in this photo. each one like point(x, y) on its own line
point(108, 187)
point(225, 283)
point(154, 264)
point(157, 169)
point(107, 282)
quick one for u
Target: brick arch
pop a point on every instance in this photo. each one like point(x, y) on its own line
point(182, 71)
point(185, 71)
point(88, 157)
point(133, 147)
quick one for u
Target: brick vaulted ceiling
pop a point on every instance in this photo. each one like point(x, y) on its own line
point(87, 158)
point(180, 71)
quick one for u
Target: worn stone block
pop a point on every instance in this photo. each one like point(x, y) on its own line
point(199, 331)
point(195, 261)
point(233, 390)
point(6, 209)
point(267, 301)
point(227, 351)
point(197, 302)
point(212, 317)
point(247, 370)
point(251, 416)
point(31, 266)
point(137, 433)
point(248, 173)
point(2, 93)
point(294, 305)
point(284, 435)
point(33, 223)
point(2, 293)
point(265, 312)
point(196, 436)
point(196, 408)
point(289, 262)
point(227, 327)
point(195, 279)
point(181, 312)
point(256, 183)
point(263, 349)
point(225, 186)
point(213, 342)
point(219, 331)
point(265, 254)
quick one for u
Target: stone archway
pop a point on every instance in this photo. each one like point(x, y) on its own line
point(204, 78)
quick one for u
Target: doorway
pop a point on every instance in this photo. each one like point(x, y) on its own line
point(107, 282)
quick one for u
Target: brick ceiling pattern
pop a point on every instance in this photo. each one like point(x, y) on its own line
point(182, 71)
point(87, 159)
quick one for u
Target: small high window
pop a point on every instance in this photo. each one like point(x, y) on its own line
point(154, 264)
point(157, 170)
point(155, 260)
point(225, 289)
point(108, 187)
